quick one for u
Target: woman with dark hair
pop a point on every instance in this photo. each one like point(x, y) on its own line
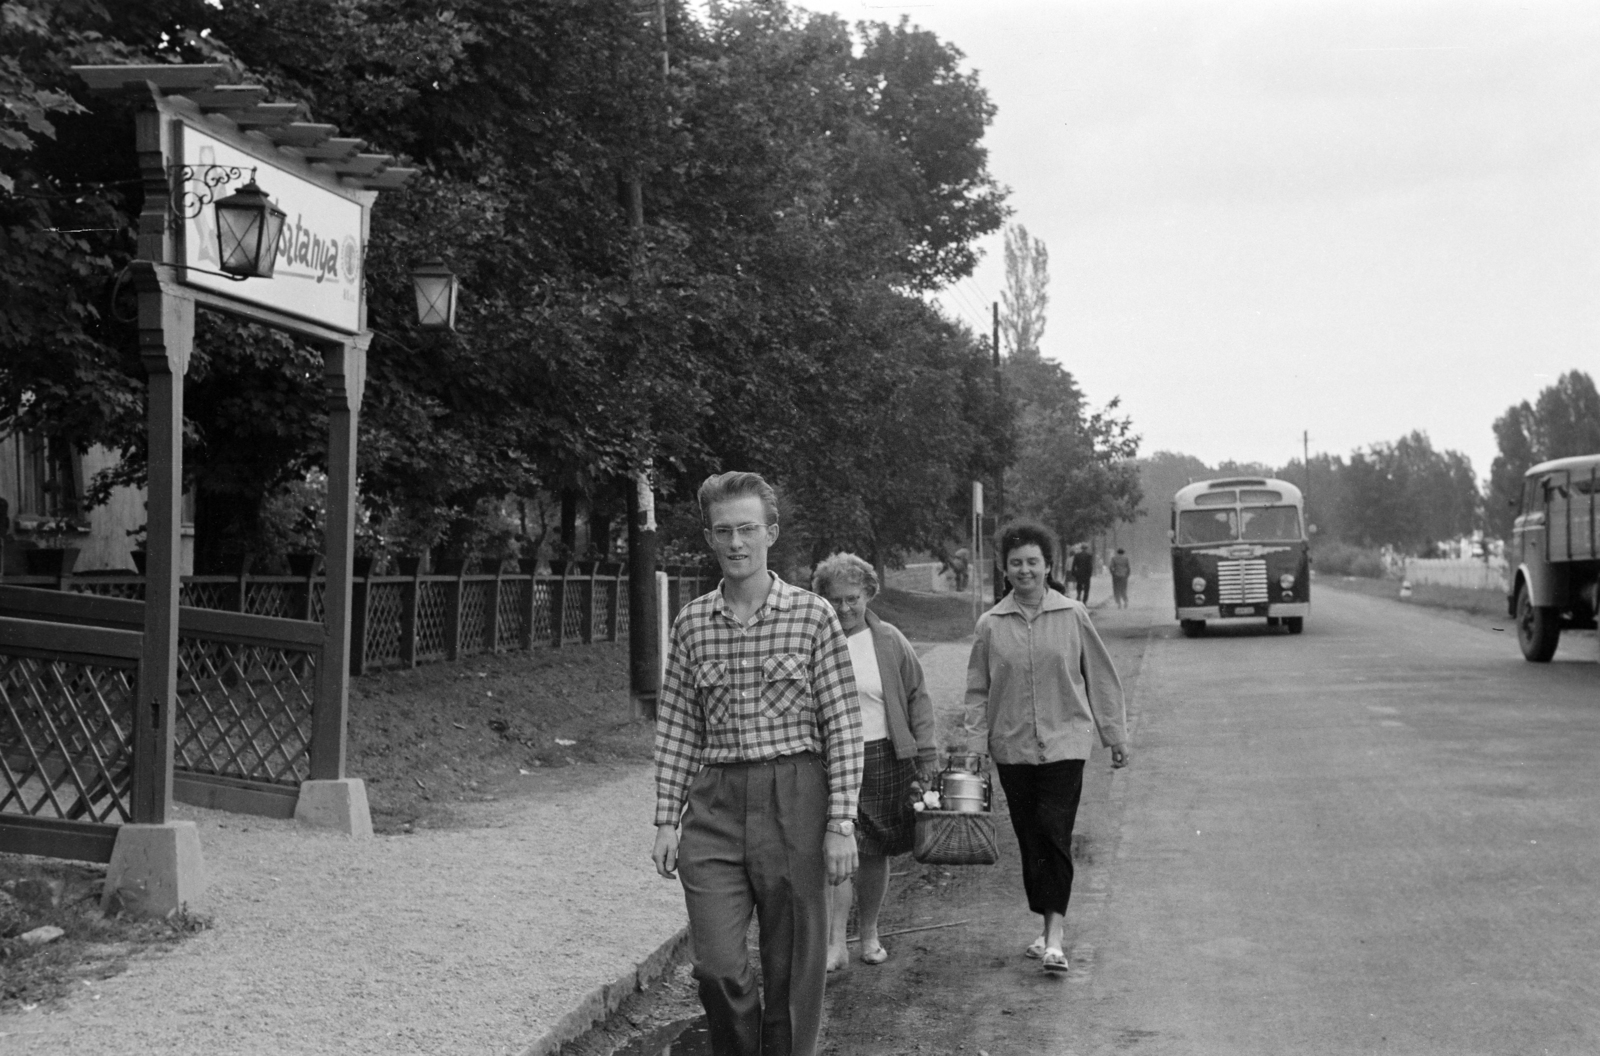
point(897, 728)
point(1040, 686)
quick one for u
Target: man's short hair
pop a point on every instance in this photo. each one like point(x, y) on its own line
point(844, 568)
point(1027, 533)
point(720, 487)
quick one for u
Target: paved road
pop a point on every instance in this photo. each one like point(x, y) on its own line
point(1380, 836)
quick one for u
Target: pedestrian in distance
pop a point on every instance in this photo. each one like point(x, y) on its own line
point(897, 731)
point(1121, 568)
point(758, 768)
point(1082, 571)
point(1041, 688)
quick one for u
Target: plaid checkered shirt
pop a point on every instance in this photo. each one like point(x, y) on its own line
point(780, 685)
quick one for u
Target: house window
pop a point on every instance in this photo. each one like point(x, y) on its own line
point(47, 478)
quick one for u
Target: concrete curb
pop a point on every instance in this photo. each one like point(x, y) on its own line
point(602, 1001)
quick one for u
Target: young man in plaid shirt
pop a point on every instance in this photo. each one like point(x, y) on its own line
point(758, 751)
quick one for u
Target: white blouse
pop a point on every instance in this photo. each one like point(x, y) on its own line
point(869, 686)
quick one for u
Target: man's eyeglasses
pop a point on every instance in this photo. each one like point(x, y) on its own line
point(746, 532)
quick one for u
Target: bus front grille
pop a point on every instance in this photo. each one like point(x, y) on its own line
point(1242, 582)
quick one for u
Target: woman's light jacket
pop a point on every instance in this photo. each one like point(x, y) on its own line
point(1044, 690)
point(906, 703)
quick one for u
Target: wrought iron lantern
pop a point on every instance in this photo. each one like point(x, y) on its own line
point(248, 227)
point(436, 287)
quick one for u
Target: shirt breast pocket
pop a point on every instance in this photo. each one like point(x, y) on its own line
point(711, 687)
point(786, 682)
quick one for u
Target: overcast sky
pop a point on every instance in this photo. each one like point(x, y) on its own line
point(1356, 219)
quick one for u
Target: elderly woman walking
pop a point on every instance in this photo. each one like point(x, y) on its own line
point(897, 727)
point(1041, 683)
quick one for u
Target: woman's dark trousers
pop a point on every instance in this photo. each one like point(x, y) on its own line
point(1043, 801)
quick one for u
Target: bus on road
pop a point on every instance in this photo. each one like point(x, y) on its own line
point(1553, 566)
point(1239, 549)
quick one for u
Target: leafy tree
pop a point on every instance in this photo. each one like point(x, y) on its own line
point(1074, 469)
point(1324, 497)
point(1407, 495)
point(800, 184)
point(1563, 421)
point(1027, 292)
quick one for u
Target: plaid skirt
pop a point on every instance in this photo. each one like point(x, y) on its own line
point(885, 823)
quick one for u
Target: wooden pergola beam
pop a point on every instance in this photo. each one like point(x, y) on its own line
point(168, 78)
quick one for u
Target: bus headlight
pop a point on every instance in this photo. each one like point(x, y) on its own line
point(1199, 584)
point(1286, 580)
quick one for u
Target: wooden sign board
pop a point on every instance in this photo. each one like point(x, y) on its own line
point(323, 245)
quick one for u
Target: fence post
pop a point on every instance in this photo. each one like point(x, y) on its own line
point(491, 618)
point(452, 614)
point(358, 621)
point(586, 625)
point(309, 608)
point(243, 587)
point(613, 592)
point(408, 617)
point(558, 606)
point(530, 608)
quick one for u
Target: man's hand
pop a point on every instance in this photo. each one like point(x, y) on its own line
point(840, 852)
point(1120, 756)
point(665, 854)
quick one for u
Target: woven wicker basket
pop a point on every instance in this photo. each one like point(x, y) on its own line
point(946, 837)
point(950, 837)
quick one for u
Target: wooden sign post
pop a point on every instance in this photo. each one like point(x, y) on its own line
point(198, 139)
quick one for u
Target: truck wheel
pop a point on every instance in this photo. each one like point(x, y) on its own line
point(1538, 629)
point(1193, 628)
point(1296, 624)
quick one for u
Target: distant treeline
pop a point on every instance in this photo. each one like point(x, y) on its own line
point(1405, 493)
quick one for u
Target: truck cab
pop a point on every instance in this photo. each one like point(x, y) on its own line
point(1553, 564)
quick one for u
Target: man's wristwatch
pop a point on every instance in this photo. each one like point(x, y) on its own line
point(843, 828)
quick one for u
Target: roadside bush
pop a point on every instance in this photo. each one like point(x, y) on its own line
point(1341, 559)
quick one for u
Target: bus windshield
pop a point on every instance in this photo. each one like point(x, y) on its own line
point(1207, 526)
point(1270, 523)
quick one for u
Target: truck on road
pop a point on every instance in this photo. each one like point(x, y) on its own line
point(1553, 566)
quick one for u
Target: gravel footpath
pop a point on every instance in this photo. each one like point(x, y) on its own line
point(477, 940)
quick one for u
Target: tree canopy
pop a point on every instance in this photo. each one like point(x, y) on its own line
point(698, 249)
point(1563, 421)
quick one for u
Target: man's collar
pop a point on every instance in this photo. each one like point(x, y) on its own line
point(780, 597)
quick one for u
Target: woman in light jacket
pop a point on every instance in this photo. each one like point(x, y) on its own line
point(897, 726)
point(1041, 689)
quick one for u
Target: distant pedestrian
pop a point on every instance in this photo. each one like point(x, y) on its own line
point(897, 730)
point(758, 750)
point(1082, 571)
point(1041, 688)
point(1121, 568)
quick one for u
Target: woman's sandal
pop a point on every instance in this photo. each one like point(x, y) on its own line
point(1055, 962)
point(875, 954)
point(1035, 948)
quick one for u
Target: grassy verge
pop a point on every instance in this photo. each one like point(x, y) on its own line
point(926, 617)
point(427, 739)
point(37, 893)
point(1460, 599)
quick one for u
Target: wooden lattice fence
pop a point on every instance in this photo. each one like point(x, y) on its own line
point(403, 621)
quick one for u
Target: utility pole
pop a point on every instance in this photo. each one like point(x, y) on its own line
point(1000, 483)
point(644, 633)
point(1305, 441)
